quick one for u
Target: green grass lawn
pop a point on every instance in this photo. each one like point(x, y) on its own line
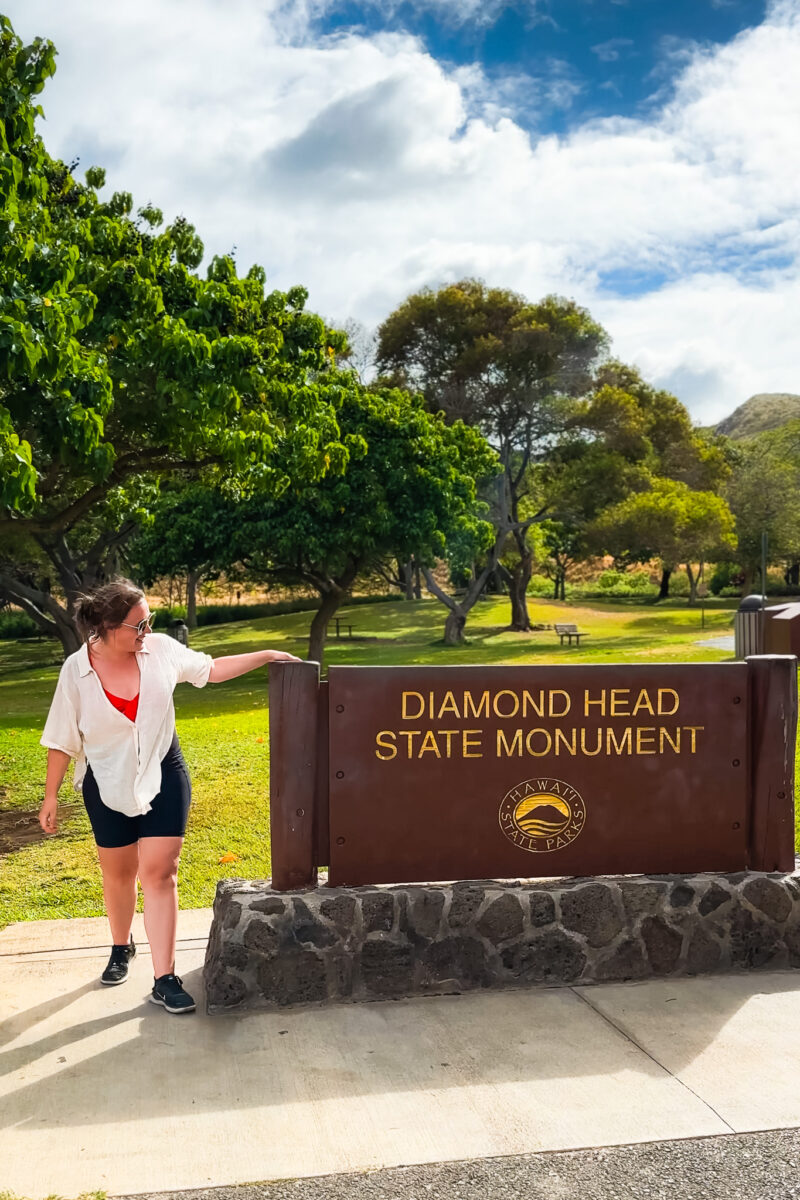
point(223, 728)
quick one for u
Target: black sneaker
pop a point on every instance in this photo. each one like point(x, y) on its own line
point(117, 969)
point(168, 991)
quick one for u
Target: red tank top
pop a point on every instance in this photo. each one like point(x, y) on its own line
point(128, 708)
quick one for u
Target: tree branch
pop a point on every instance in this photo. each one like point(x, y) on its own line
point(33, 602)
point(156, 459)
point(435, 590)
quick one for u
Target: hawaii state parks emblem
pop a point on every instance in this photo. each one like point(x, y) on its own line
point(542, 814)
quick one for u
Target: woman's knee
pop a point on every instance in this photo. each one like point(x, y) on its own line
point(158, 875)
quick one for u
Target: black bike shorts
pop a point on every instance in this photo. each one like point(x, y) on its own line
point(167, 816)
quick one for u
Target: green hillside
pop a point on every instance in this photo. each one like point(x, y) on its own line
point(767, 410)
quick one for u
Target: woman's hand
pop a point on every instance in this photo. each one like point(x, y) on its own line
point(48, 814)
point(283, 656)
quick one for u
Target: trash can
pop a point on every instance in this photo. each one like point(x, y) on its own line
point(179, 630)
point(749, 627)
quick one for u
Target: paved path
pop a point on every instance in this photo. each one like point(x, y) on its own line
point(102, 1090)
point(725, 641)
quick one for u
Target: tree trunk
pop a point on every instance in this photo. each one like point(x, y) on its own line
point(51, 618)
point(34, 596)
point(694, 580)
point(518, 592)
point(458, 611)
point(191, 597)
point(663, 591)
point(454, 628)
point(562, 586)
point(794, 574)
point(748, 578)
point(332, 592)
point(408, 578)
point(331, 600)
point(417, 582)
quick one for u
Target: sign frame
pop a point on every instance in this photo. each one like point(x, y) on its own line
point(326, 790)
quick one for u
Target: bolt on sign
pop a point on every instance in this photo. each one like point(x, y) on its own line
point(400, 774)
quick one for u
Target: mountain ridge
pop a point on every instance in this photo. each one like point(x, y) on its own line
point(763, 411)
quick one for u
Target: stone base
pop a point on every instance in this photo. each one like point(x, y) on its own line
point(274, 949)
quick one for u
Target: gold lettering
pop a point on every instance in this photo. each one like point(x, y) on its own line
point(622, 747)
point(449, 705)
point(569, 746)
point(664, 736)
point(448, 734)
point(385, 745)
point(529, 743)
point(599, 747)
point(601, 702)
point(643, 701)
point(409, 735)
point(428, 744)
point(468, 743)
point(528, 700)
point(409, 716)
point(503, 748)
point(692, 730)
point(645, 732)
point(481, 710)
point(551, 708)
point(515, 701)
point(667, 712)
point(617, 709)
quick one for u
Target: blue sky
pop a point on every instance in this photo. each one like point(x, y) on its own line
point(640, 157)
point(612, 57)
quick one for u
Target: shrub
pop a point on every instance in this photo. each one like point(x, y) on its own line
point(725, 575)
point(540, 585)
point(621, 584)
point(220, 614)
point(17, 625)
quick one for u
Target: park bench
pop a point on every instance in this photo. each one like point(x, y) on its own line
point(569, 631)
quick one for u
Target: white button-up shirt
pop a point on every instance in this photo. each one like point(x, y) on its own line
point(125, 755)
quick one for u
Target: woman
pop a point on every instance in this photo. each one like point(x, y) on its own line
point(113, 712)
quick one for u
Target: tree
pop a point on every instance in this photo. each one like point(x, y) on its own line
point(625, 436)
point(119, 363)
point(511, 368)
point(563, 544)
point(764, 494)
point(671, 522)
point(181, 535)
point(408, 485)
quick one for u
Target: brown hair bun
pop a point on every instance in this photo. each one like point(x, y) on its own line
point(105, 607)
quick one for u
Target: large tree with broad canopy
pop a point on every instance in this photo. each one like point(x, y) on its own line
point(120, 364)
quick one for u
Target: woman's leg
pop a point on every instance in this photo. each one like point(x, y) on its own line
point(158, 873)
point(119, 866)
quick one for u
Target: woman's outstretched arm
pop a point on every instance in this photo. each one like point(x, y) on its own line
point(231, 665)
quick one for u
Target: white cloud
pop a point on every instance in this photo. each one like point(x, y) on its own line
point(611, 50)
point(362, 167)
point(712, 340)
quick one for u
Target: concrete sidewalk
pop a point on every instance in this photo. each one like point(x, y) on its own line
point(103, 1090)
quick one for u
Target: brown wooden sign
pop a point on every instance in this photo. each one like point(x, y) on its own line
point(400, 774)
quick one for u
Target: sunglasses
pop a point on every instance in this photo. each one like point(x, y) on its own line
point(145, 626)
